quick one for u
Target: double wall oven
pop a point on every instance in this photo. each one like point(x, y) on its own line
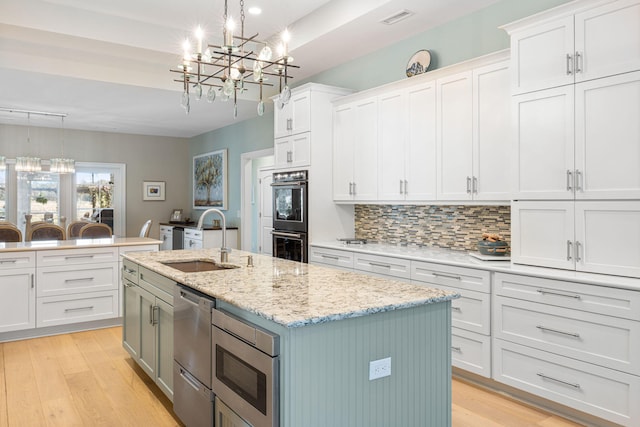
point(290, 215)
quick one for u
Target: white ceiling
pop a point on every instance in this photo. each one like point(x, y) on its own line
point(106, 63)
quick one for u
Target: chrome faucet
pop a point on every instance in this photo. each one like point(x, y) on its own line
point(224, 251)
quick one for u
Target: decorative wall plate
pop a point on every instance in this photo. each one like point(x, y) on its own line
point(418, 63)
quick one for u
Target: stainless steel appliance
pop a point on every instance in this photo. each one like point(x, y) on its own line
point(290, 215)
point(245, 371)
point(192, 395)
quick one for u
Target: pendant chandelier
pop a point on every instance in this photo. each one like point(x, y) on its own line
point(224, 70)
point(61, 164)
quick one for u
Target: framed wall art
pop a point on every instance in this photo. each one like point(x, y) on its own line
point(210, 180)
point(153, 190)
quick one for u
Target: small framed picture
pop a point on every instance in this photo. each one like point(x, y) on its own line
point(153, 190)
point(176, 215)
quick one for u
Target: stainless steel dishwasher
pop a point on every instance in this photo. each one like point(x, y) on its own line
point(192, 395)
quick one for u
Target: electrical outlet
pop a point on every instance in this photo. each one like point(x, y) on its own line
point(379, 368)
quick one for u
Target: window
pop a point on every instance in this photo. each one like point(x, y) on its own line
point(3, 195)
point(38, 195)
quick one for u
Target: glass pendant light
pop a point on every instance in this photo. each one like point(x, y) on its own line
point(28, 163)
point(61, 164)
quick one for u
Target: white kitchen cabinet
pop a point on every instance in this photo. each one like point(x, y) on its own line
point(201, 239)
point(380, 265)
point(474, 148)
point(407, 144)
point(455, 132)
point(148, 323)
point(166, 236)
point(17, 291)
point(293, 151)
point(576, 42)
point(586, 236)
point(355, 150)
point(294, 117)
point(594, 156)
point(331, 257)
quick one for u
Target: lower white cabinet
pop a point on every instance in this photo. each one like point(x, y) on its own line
point(470, 314)
point(148, 323)
point(201, 239)
point(293, 151)
point(595, 237)
point(396, 268)
point(573, 343)
point(17, 291)
point(331, 258)
point(599, 391)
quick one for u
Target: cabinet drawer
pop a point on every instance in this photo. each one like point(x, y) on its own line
point(193, 233)
point(603, 340)
point(65, 309)
point(386, 266)
point(157, 284)
point(76, 256)
point(130, 271)
point(471, 352)
point(17, 260)
point(332, 257)
point(472, 311)
point(73, 279)
point(445, 275)
point(616, 302)
point(599, 391)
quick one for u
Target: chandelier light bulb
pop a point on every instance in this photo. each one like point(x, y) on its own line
point(228, 36)
point(199, 33)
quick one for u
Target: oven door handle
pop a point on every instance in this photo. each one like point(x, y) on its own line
point(289, 184)
point(281, 234)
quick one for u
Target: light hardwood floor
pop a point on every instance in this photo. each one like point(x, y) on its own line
point(88, 379)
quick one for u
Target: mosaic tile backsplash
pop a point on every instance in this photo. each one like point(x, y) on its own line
point(453, 227)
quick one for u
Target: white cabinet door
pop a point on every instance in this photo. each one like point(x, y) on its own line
point(293, 151)
point(542, 56)
point(491, 132)
point(294, 117)
point(607, 40)
point(607, 146)
point(455, 117)
point(420, 148)
point(391, 145)
point(542, 234)
point(17, 299)
point(343, 146)
point(544, 144)
point(608, 237)
point(365, 152)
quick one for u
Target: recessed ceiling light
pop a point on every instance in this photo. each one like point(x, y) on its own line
point(255, 10)
point(397, 17)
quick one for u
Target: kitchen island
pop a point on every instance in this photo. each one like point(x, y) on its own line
point(331, 325)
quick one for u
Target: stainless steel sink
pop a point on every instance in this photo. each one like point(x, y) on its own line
point(198, 265)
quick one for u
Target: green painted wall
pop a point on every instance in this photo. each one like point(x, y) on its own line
point(468, 37)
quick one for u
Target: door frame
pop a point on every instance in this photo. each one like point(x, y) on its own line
point(247, 198)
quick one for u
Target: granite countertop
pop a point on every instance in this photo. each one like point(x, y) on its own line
point(463, 259)
point(290, 293)
point(76, 243)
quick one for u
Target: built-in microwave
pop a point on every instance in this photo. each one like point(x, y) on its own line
point(245, 369)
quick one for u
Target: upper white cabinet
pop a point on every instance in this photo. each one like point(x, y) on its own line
point(294, 117)
point(442, 135)
point(355, 150)
point(474, 119)
point(407, 144)
point(576, 42)
point(293, 151)
point(586, 236)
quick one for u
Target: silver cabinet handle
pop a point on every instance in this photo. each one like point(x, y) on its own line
point(32, 281)
point(68, 310)
point(456, 349)
point(475, 185)
point(578, 61)
point(406, 186)
point(468, 185)
point(578, 246)
point(569, 180)
point(546, 292)
point(151, 314)
point(545, 377)
point(375, 264)
point(569, 64)
point(447, 276)
point(333, 257)
point(128, 270)
point(569, 243)
point(128, 285)
point(289, 157)
point(401, 187)
point(8, 261)
point(354, 188)
point(456, 308)
point(156, 320)
point(578, 183)
point(77, 256)
point(556, 331)
point(80, 279)
point(350, 188)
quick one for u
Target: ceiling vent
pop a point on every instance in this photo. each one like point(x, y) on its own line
point(397, 17)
